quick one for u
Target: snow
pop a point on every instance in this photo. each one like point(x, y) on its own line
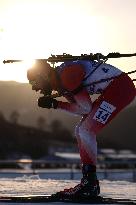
point(33, 184)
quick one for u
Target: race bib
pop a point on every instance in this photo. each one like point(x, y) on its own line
point(104, 112)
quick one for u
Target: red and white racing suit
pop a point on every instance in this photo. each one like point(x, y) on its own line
point(116, 94)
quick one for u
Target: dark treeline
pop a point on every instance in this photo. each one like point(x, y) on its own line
point(18, 140)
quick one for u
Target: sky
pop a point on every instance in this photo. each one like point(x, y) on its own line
point(38, 28)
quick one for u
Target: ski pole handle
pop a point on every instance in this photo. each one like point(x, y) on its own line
point(54, 95)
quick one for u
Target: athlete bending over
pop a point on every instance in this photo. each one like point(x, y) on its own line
point(70, 79)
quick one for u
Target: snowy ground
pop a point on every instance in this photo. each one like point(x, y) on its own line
point(33, 184)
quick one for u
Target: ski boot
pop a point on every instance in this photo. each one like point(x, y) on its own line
point(88, 187)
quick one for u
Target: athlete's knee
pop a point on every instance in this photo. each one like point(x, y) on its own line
point(77, 128)
point(85, 131)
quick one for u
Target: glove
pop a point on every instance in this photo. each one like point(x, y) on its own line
point(47, 102)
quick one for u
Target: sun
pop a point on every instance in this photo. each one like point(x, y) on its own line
point(16, 71)
point(34, 30)
point(23, 37)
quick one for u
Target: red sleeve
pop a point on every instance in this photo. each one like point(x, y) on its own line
point(72, 76)
point(81, 104)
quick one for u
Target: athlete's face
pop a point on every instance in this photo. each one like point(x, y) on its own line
point(39, 77)
point(39, 84)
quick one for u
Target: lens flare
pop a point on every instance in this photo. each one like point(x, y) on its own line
point(28, 63)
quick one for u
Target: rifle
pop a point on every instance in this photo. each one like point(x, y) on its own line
point(92, 57)
point(68, 57)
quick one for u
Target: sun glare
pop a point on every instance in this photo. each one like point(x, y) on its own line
point(33, 30)
point(16, 71)
point(25, 64)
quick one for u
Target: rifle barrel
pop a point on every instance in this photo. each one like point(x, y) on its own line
point(119, 55)
point(12, 61)
point(68, 57)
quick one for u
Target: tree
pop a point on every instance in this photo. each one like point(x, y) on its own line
point(41, 123)
point(2, 117)
point(56, 126)
point(60, 132)
point(14, 117)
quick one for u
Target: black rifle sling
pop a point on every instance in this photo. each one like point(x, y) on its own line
point(93, 71)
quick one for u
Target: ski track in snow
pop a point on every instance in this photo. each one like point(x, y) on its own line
point(33, 185)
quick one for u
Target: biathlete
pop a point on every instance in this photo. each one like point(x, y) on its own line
point(75, 80)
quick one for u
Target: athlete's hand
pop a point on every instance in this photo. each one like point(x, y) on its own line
point(47, 102)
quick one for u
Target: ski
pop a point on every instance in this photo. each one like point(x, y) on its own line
point(52, 198)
